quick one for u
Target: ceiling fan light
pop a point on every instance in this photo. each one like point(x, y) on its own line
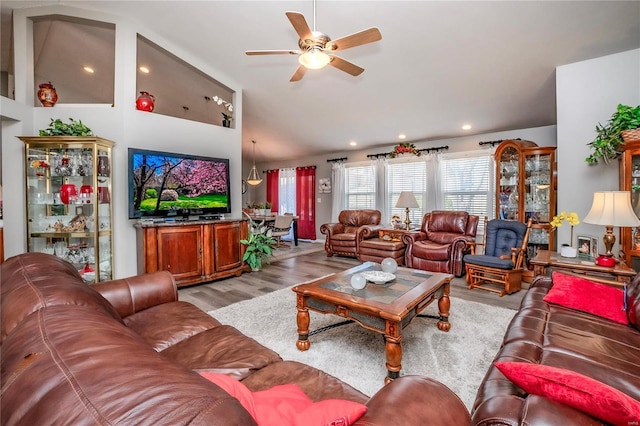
point(314, 59)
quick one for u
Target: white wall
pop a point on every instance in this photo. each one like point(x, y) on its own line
point(121, 123)
point(543, 136)
point(588, 93)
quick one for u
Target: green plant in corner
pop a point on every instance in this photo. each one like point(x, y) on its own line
point(227, 117)
point(605, 146)
point(59, 128)
point(258, 245)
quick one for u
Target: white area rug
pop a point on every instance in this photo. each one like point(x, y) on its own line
point(459, 358)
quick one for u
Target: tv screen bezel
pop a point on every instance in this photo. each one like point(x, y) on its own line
point(133, 214)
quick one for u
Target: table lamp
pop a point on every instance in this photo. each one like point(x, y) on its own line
point(407, 201)
point(611, 208)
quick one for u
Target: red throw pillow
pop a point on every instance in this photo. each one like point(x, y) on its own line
point(587, 296)
point(234, 388)
point(287, 404)
point(575, 390)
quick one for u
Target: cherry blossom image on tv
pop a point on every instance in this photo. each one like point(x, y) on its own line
point(161, 182)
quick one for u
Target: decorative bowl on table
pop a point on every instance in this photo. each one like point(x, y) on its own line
point(378, 277)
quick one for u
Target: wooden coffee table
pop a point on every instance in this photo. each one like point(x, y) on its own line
point(385, 308)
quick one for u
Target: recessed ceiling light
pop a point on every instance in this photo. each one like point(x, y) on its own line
point(353, 143)
point(88, 69)
point(466, 127)
point(144, 70)
point(402, 136)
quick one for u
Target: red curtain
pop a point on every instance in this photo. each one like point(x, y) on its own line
point(306, 201)
point(272, 188)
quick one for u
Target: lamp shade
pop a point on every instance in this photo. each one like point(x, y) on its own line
point(612, 208)
point(407, 200)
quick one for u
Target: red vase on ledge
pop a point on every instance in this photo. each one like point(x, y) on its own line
point(145, 102)
point(47, 94)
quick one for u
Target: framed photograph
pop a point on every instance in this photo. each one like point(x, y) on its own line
point(584, 245)
point(594, 247)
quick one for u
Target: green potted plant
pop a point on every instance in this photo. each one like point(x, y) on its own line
point(606, 145)
point(258, 245)
point(59, 128)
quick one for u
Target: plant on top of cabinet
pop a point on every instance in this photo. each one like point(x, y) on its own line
point(609, 137)
point(59, 128)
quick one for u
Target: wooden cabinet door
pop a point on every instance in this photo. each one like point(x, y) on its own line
point(180, 252)
point(227, 247)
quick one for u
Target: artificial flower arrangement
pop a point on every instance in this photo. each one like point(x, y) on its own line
point(404, 148)
point(36, 164)
point(572, 218)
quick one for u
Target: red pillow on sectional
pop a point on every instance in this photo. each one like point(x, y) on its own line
point(587, 296)
point(288, 405)
point(575, 390)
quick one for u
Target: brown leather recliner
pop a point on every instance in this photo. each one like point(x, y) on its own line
point(442, 242)
point(342, 236)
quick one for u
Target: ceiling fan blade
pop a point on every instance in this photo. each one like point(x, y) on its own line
point(345, 65)
point(297, 76)
point(300, 25)
point(363, 37)
point(273, 52)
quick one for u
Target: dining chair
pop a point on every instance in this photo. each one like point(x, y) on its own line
point(281, 228)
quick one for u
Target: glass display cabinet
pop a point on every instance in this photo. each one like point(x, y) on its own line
point(630, 181)
point(68, 196)
point(526, 188)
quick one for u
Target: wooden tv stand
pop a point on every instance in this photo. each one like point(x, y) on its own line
point(193, 251)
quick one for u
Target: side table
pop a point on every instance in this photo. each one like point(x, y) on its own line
point(546, 261)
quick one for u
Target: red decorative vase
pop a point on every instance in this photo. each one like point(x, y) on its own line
point(145, 102)
point(47, 95)
point(66, 191)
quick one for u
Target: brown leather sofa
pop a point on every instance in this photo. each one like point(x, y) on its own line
point(549, 334)
point(128, 352)
point(442, 242)
point(342, 236)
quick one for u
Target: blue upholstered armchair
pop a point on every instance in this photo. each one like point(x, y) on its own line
point(500, 268)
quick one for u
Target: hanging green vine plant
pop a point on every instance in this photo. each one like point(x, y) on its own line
point(606, 145)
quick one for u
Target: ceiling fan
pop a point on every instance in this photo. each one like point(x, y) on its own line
point(316, 48)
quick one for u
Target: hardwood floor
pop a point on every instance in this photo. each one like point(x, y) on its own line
point(304, 267)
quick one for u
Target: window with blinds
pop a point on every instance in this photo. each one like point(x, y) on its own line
point(407, 176)
point(466, 185)
point(360, 184)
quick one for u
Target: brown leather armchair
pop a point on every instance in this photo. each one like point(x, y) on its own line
point(444, 238)
point(342, 238)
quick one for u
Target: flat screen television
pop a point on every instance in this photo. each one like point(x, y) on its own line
point(169, 184)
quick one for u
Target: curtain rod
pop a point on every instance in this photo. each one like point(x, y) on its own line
point(333, 160)
point(297, 168)
point(492, 143)
point(427, 150)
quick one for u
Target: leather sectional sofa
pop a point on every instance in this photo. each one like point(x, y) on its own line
point(128, 352)
point(550, 335)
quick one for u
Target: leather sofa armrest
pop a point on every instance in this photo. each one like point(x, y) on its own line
point(368, 231)
point(332, 228)
point(140, 292)
point(412, 237)
point(415, 400)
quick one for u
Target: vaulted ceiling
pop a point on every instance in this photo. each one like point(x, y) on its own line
point(438, 66)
